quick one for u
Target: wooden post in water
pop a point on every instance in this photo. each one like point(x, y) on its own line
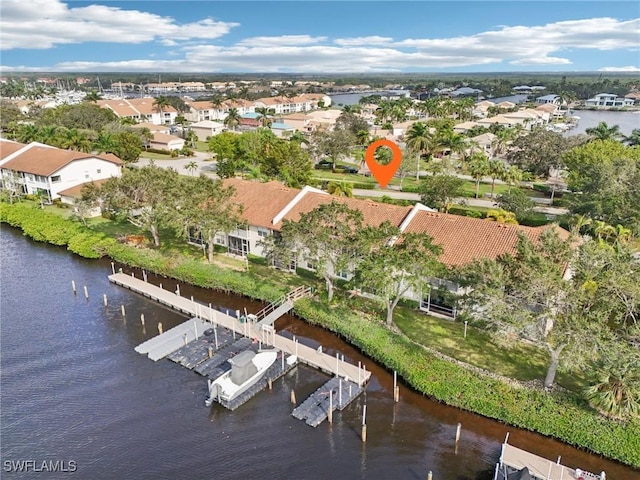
point(113, 268)
point(104, 299)
point(396, 388)
point(73, 287)
point(160, 328)
point(458, 428)
point(161, 286)
point(185, 339)
point(144, 275)
point(364, 423)
point(293, 396)
point(340, 392)
point(337, 364)
point(215, 335)
point(359, 373)
point(178, 289)
point(330, 412)
point(86, 293)
point(430, 475)
point(142, 318)
point(122, 310)
point(270, 384)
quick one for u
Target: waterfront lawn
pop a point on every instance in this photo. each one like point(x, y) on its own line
point(519, 361)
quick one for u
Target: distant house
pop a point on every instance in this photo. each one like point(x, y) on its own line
point(41, 169)
point(484, 142)
point(141, 110)
point(466, 92)
point(464, 127)
point(207, 128)
point(162, 141)
point(282, 130)
point(73, 194)
point(634, 96)
point(555, 99)
point(609, 100)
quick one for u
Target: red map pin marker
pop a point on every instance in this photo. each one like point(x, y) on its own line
point(383, 173)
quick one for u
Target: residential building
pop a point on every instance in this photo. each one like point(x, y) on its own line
point(205, 110)
point(162, 141)
point(609, 100)
point(483, 143)
point(282, 130)
point(464, 127)
point(141, 110)
point(555, 99)
point(634, 96)
point(463, 239)
point(206, 129)
point(41, 169)
point(70, 195)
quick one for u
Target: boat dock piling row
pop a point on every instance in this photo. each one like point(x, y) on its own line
point(207, 341)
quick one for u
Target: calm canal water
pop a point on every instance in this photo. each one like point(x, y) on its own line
point(73, 389)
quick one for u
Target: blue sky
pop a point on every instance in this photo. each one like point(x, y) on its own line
point(319, 37)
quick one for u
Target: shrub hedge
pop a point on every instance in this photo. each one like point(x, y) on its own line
point(560, 415)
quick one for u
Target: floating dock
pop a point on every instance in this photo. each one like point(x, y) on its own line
point(336, 394)
point(207, 341)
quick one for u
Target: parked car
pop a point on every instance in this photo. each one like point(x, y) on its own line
point(345, 169)
point(324, 165)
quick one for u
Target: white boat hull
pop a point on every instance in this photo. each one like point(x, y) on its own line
point(224, 389)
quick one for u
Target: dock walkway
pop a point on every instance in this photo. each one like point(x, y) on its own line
point(265, 334)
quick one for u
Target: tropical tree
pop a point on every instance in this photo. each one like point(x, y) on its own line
point(160, 103)
point(146, 197)
point(225, 148)
point(233, 118)
point(191, 167)
point(340, 189)
point(500, 215)
point(517, 202)
point(263, 116)
point(439, 191)
point(92, 96)
point(191, 138)
point(391, 268)
point(513, 176)
point(420, 141)
point(478, 168)
point(604, 132)
point(633, 140)
point(207, 211)
point(328, 236)
point(451, 142)
point(74, 139)
point(496, 171)
point(298, 138)
point(105, 143)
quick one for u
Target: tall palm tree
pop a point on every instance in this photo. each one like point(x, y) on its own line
point(233, 118)
point(105, 143)
point(420, 141)
point(340, 189)
point(243, 92)
point(580, 221)
point(451, 142)
point(50, 134)
point(191, 167)
point(298, 138)
point(496, 170)
point(27, 133)
point(263, 116)
point(352, 108)
point(74, 139)
point(92, 97)
point(633, 140)
point(478, 168)
point(363, 137)
point(604, 132)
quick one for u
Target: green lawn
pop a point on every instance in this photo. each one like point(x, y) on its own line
point(202, 146)
point(156, 156)
point(520, 361)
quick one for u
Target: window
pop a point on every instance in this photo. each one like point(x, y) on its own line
point(99, 170)
point(311, 266)
point(343, 274)
point(263, 232)
point(86, 175)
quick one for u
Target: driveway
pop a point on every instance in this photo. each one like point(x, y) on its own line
point(203, 164)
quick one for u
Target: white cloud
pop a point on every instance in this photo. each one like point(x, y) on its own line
point(356, 41)
point(41, 24)
point(46, 23)
point(628, 68)
point(282, 40)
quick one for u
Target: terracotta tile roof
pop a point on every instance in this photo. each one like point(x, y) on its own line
point(465, 239)
point(164, 139)
point(261, 201)
point(76, 190)
point(42, 160)
point(374, 213)
point(7, 147)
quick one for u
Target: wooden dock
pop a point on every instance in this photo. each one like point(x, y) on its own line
point(315, 409)
point(264, 334)
point(514, 459)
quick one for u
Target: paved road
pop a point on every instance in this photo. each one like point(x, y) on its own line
point(474, 202)
point(204, 165)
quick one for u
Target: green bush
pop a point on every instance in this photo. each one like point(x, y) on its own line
point(364, 186)
point(257, 260)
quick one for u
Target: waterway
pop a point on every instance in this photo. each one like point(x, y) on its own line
point(73, 389)
point(627, 121)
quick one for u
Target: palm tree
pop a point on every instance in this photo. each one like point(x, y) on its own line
point(478, 168)
point(73, 139)
point(580, 221)
point(105, 143)
point(604, 132)
point(159, 104)
point(298, 138)
point(622, 234)
point(233, 118)
point(191, 167)
point(451, 142)
point(92, 97)
point(243, 92)
point(420, 141)
point(340, 189)
point(513, 175)
point(191, 138)
point(51, 135)
point(616, 390)
point(263, 116)
point(633, 140)
point(603, 230)
point(352, 109)
point(363, 137)
point(496, 170)
point(503, 137)
point(27, 133)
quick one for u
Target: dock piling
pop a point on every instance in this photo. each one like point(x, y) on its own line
point(104, 299)
point(144, 275)
point(142, 318)
point(293, 396)
point(210, 351)
point(73, 287)
point(86, 293)
point(113, 268)
point(396, 388)
point(178, 289)
point(270, 384)
point(122, 310)
point(430, 475)
point(364, 423)
point(459, 427)
point(160, 328)
point(330, 412)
